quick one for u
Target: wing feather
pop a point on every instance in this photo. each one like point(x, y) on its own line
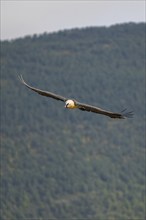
point(90, 108)
point(42, 92)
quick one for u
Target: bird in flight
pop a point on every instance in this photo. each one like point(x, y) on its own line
point(73, 104)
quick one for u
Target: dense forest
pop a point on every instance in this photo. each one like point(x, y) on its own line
point(68, 164)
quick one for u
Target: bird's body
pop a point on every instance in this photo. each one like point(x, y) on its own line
point(73, 104)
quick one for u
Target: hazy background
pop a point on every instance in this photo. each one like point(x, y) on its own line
point(20, 18)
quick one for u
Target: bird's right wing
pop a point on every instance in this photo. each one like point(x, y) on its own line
point(42, 92)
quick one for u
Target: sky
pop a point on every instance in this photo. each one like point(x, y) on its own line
point(20, 18)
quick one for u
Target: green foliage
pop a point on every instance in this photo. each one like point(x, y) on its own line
point(58, 163)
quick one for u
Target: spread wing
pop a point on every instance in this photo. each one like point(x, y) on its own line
point(90, 108)
point(42, 92)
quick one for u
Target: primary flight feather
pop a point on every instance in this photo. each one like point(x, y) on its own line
point(73, 104)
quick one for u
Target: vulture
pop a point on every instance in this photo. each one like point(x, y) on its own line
point(73, 104)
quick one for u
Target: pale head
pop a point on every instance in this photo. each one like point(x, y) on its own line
point(70, 104)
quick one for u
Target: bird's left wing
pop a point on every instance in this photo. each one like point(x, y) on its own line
point(90, 108)
point(42, 92)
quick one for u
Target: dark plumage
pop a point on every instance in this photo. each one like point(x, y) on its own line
point(73, 104)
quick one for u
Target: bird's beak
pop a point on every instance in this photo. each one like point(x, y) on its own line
point(66, 105)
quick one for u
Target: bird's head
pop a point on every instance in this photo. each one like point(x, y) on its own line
point(69, 104)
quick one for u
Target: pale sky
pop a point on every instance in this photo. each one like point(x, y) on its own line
point(20, 18)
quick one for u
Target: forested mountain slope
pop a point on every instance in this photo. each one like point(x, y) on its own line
point(59, 163)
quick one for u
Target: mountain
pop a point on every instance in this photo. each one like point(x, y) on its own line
point(68, 164)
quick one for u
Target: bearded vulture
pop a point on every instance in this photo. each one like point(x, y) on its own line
point(73, 104)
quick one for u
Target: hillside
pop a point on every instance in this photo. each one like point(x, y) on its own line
point(69, 164)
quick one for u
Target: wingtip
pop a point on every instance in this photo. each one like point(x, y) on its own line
point(21, 79)
point(126, 114)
